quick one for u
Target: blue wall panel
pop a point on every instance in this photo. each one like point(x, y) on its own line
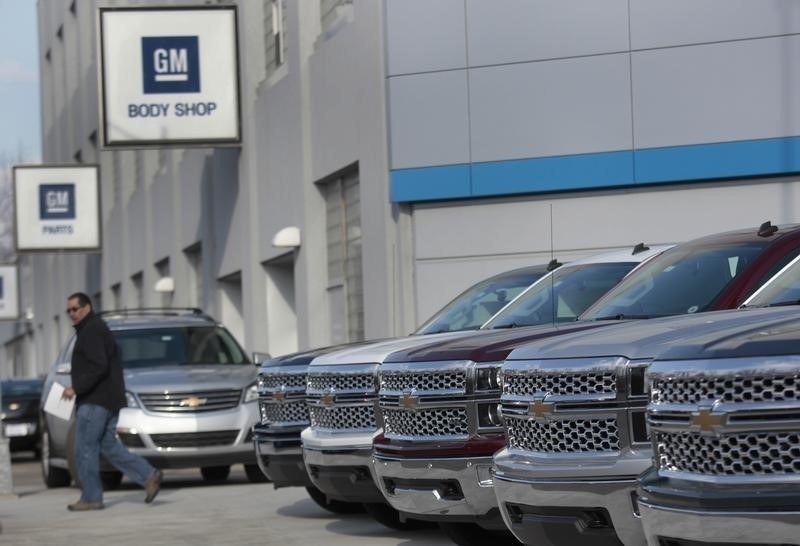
point(773, 156)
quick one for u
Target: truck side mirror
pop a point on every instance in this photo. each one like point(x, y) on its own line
point(259, 358)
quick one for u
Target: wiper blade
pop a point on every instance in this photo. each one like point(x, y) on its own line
point(508, 325)
point(622, 316)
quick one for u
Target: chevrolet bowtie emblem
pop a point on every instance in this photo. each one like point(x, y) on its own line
point(192, 402)
point(328, 400)
point(279, 396)
point(540, 408)
point(408, 400)
point(707, 421)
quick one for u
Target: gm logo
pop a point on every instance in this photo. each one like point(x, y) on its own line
point(57, 201)
point(170, 64)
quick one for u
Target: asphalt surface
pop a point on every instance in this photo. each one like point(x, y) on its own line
point(187, 511)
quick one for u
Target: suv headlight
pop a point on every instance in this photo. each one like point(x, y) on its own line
point(488, 378)
point(251, 393)
point(131, 399)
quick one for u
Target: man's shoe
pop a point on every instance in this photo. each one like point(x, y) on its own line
point(153, 485)
point(82, 506)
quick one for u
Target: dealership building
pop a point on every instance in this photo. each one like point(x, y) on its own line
point(389, 153)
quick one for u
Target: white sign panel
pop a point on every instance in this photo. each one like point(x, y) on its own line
point(169, 76)
point(56, 208)
point(9, 294)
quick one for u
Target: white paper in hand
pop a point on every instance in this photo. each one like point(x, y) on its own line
point(55, 405)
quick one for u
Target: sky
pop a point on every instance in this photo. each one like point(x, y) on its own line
point(20, 126)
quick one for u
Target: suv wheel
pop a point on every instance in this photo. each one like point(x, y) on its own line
point(215, 473)
point(472, 534)
point(254, 474)
point(52, 476)
point(335, 506)
point(388, 516)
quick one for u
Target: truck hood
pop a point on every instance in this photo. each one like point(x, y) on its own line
point(644, 339)
point(775, 335)
point(489, 345)
point(377, 352)
point(187, 378)
point(303, 358)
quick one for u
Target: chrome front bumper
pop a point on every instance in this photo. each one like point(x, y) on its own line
point(444, 488)
point(730, 527)
point(545, 497)
point(141, 424)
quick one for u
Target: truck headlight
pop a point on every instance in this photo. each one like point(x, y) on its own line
point(251, 393)
point(131, 399)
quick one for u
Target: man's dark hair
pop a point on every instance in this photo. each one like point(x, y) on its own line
point(82, 298)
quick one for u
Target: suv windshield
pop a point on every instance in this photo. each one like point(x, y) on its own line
point(562, 296)
point(473, 307)
point(177, 345)
point(685, 279)
point(782, 289)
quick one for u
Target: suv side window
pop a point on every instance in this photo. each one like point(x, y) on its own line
point(777, 266)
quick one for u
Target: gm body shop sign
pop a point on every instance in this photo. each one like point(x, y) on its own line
point(169, 76)
point(9, 295)
point(56, 208)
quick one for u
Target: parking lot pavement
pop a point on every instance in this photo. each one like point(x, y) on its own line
point(187, 511)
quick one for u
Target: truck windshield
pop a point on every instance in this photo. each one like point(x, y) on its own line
point(562, 296)
point(476, 305)
point(685, 279)
point(180, 345)
point(782, 289)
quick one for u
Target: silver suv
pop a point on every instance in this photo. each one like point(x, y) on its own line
point(191, 391)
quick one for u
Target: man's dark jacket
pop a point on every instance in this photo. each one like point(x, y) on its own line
point(96, 369)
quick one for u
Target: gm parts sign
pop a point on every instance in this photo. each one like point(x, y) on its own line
point(169, 76)
point(56, 208)
point(9, 295)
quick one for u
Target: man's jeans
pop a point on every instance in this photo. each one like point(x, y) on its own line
point(96, 432)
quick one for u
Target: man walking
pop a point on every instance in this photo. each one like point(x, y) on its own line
point(99, 386)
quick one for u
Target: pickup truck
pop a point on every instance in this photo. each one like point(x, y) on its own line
point(574, 407)
point(434, 457)
point(724, 416)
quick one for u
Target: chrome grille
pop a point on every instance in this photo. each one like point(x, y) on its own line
point(755, 388)
point(341, 382)
point(424, 381)
point(560, 384)
point(191, 402)
point(567, 436)
point(195, 439)
point(276, 381)
point(343, 418)
point(762, 454)
point(290, 412)
point(431, 424)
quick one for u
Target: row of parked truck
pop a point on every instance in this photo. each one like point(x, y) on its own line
point(539, 407)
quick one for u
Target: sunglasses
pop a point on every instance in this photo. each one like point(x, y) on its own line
point(74, 309)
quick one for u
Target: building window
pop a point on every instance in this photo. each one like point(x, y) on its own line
point(345, 280)
point(274, 34)
point(116, 296)
point(194, 285)
point(163, 271)
point(137, 290)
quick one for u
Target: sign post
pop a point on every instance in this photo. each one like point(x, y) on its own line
point(169, 76)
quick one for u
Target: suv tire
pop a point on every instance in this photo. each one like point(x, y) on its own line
point(52, 476)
